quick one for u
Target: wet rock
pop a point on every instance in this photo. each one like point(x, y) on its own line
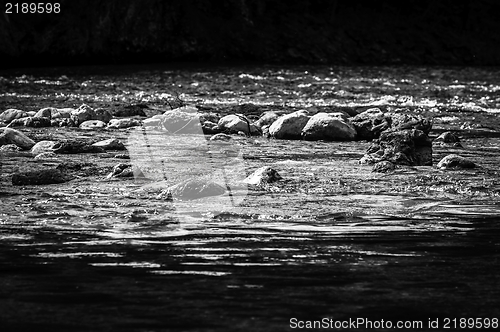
point(267, 118)
point(46, 156)
point(110, 144)
point(45, 112)
point(61, 113)
point(123, 123)
point(210, 128)
point(103, 115)
point(455, 161)
point(209, 116)
point(405, 147)
point(82, 114)
point(400, 121)
point(12, 136)
point(72, 169)
point(130, 110)
point(383, 167)
point(123, 170)
point(152, 122)
point(234, 123)
point(221, 137)
point(11, 114)
point(43, 146)
point(10, 148)
point(289, 126)
point(195, 189)
point(62, 122)
point(75, 146)
point(182, 120)
point(370, 123)
point(31, 122)
point(448, 139)
point(263, 175)
point(92, 124)
point(329, 127)
point(46, 176)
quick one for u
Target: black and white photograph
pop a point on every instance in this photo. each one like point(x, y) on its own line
point(249, 165)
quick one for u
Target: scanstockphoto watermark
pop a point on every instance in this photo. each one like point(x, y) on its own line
point(356, 323)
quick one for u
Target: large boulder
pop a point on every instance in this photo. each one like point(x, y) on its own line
point(182, 120)
point(235, 123)
point(329, 127)
point(405, 147)
point(31, 121)
point(43, 146)
point(289, 126)
point(61, 113)
point(266, 118)
point(123, 123)
point(455, 161)
point(401, 121)
point(82, 114)
point(12, 136)
point(370, 123)
point(92, 124)
point(11, 114)
point(45, 112)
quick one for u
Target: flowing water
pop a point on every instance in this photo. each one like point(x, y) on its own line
point(331, 241)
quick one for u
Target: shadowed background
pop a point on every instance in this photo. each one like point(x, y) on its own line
point(273, 31)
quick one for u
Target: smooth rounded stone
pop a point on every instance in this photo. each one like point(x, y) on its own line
point(383, 167)
point(182, 121)
point(289, 126)
point(234, 123)
point(62, 122)
point(123, 123)
point(92, 124)
point(82, 114)
point(46, 176)
point(221, 137)
point(103, 115)
point(129, 110)
point(61, 113)
point(210, 128)
point(43, 146)
point(195, 189)
point(10, 148)
point(110, 144)
point(45, 112)
point(31, 113)
point(370, 123)
point(263, 175)
point(328, 127)
point(13, 136)
point(122, 156)
point(400, 121)
point(46, 156)
point(152, 122)
point(455, 161)
point(405, 147)
point(267, 118)
point(11, 114)
point(74, 146)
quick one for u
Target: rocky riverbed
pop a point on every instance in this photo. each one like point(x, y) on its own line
point(121, 241)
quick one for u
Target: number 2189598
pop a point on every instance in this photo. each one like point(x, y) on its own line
point(32, 8)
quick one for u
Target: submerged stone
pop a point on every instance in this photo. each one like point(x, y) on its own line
point(405, 147)
point(46, 176)
point(195, 189)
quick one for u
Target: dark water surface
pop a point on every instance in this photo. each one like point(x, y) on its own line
point(332, 240)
